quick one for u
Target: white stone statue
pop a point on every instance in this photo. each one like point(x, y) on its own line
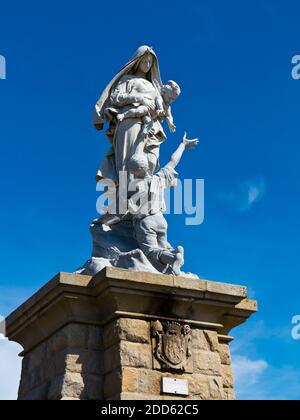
point(150, 225)
point(135, 97)
point(134, 105)
point(160, 108)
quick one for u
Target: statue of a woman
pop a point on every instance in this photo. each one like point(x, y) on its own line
point(134, 236)
point(138, 84)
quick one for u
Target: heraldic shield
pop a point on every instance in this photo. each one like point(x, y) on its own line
point(172, 345)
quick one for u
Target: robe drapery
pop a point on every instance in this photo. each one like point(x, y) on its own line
point(125, 135)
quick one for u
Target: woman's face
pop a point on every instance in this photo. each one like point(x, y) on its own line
point(146, 63)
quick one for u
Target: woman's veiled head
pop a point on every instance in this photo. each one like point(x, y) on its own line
point(142, 51)
point(145, 61)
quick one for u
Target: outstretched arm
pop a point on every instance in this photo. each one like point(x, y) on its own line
point(170, 121)
point(186, 144)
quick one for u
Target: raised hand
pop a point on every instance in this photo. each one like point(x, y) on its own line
point(189, 144)
point(172, 127)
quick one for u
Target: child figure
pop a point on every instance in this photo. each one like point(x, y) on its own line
point(147, 207)
point(161, 108)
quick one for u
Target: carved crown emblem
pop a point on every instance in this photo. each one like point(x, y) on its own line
point(172, 345)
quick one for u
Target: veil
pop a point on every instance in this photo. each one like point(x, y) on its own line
point(153, 76)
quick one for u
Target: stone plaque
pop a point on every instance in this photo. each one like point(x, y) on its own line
point(172, 347)
point(175, 386)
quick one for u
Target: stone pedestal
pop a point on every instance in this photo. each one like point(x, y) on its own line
point(116, 335)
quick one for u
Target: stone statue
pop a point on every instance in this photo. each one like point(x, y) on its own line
point(134, 105)
point(135, 97)
point(150, 225)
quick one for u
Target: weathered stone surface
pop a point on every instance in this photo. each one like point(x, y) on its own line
point(215, 388)
point(127, 329)
point(70, 385)
point(71, 336)
point(111, 334)
point(94, 341)
point(212, 340)
point(85, 362)
point(93, 387)
point(229, 394)
point(37, 394)
point(224, 352)
point(207, 363)
point(205, 387)
point(131, 396)
point(76, 386)
point(136, 355)
point(36, 357)
point(199, 340)
point(134, 396)
point(130, 380)
point(134, 330)
point(227, 373)
point(112, 384)
point(205, 340)
point(112, 358)
point(149, 382)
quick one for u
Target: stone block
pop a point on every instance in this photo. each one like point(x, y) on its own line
point(135, 396)
point(130, 379)
point(111, 358)
point(149, 382)
point(207, 363)
point(204, 387)
point(112, 384)
point(135, 355)
point(95, 338)
point(93, 387)
point(199, 340)
point(227, 373)
point(224, 352)
point(37, 394)
point(134, 330)
point(71, 336)
point(69, 385)
point(111, 334)
point(212, 340)
point(229, 394)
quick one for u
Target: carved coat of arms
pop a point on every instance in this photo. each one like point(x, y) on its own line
point(172, 346)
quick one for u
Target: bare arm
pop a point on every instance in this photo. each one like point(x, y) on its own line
point(177, 155)
point(170, 121)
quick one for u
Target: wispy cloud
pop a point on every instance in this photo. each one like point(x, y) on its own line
point(247, 372)
point(10, 369)
point(255, 377)
point(257, 380)
point(245, 195)
point(10, 362)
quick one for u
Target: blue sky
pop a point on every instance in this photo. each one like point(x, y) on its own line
point(233, 62)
